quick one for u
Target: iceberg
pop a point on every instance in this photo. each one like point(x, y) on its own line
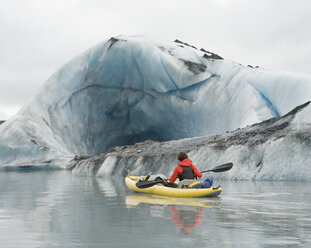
point(128, 89)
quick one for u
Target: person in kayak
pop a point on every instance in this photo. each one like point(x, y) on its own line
point(185, 169)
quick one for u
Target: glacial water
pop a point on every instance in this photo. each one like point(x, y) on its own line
point(56, 209)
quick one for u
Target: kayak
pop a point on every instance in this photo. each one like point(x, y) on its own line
point(159, 189)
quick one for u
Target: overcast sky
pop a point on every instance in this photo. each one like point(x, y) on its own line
point(39, 36)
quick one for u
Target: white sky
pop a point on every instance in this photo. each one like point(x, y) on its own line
point(39, 36)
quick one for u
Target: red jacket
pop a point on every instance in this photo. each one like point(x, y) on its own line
point(179, 170)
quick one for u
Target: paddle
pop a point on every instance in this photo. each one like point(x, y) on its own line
point(220, 168)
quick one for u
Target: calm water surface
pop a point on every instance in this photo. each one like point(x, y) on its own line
point(55, 209)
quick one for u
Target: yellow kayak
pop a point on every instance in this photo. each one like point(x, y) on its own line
point(159, 189)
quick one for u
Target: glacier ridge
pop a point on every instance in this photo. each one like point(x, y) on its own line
point(275, 149)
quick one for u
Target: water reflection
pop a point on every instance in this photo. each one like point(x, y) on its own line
point(107, 187)
point(135, 199)
point(186, 213)
point(186, 218)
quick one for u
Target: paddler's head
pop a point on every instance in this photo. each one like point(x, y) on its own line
point(181, 156)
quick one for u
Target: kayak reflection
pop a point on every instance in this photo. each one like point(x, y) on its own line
point(186, 218)
point(186, 213)
point(134, 200)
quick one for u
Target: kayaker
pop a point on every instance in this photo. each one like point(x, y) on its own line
point(185, 169)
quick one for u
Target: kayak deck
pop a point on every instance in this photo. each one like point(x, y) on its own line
point(159, 189)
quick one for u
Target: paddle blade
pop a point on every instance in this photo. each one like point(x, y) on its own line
point(147, 184)
point(221, 168)
point(224, 167)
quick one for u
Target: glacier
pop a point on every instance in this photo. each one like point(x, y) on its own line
point(128, 89)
